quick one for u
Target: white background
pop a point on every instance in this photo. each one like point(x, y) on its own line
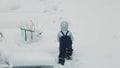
point(94, 23)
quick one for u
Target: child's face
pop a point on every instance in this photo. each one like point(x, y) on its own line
point(64, 26)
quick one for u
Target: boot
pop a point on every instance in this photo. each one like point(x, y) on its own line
point(61, 61)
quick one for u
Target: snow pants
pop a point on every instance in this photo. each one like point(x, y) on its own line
point(65, 50)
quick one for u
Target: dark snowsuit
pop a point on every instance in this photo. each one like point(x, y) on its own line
point(65, 48)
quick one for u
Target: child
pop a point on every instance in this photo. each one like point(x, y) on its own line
point(65, 39)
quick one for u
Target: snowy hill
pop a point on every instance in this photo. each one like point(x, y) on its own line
point(94, 24)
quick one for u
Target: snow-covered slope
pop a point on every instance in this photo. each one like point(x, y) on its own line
point(94, 23)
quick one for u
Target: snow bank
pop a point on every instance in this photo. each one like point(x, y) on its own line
point(20, 53)
point(32, 59)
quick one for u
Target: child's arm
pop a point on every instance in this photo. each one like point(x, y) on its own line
point(58, 36)
point(71, 36)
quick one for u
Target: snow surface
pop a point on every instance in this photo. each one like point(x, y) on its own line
point(94, 24)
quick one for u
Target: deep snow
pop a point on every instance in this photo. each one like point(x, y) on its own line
point(94, 23)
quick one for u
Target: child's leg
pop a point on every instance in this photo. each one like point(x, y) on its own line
point(61, 61)
point(62, 54)
point(69, 51)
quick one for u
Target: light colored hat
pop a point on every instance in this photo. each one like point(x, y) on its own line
point(64, 25)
